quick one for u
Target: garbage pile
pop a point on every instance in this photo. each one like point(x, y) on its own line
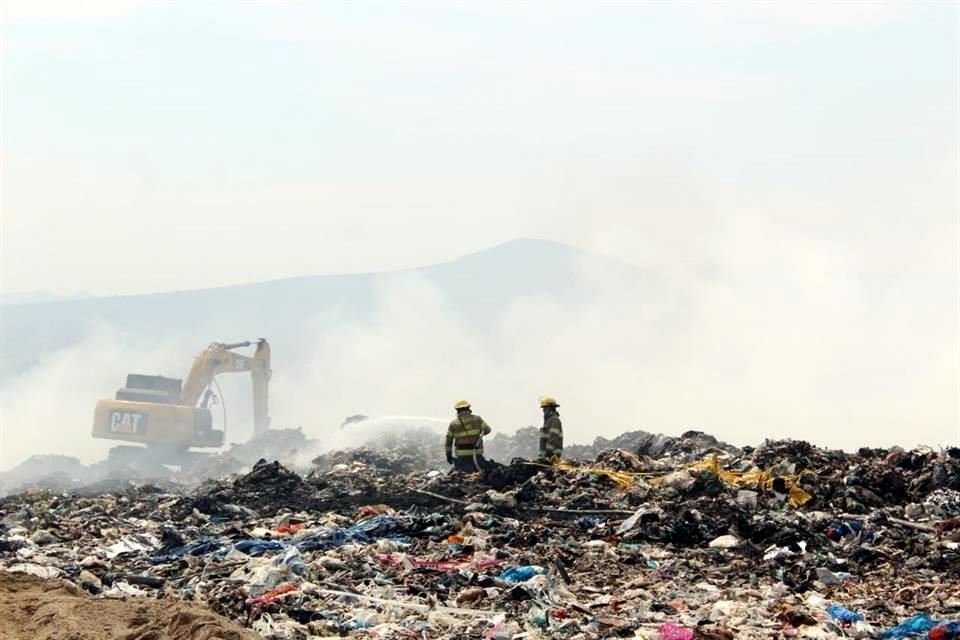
point(416, 449)
point(51, 472)
point(400, 452)
point(677, 538)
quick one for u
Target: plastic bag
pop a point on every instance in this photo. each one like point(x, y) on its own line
point(838, 612)
point(915, 626)
point(520, 574)
point(670, 631)
point(367, 531)
point(257, 547)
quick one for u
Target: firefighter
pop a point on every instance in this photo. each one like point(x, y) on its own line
point(464, 444)
point(551, 433)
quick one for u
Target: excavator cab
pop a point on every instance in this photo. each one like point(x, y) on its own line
point(144, 388)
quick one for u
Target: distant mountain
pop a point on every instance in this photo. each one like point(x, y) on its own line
point(30, 297)
point(475, 286)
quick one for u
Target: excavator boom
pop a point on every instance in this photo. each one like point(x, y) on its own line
point(218, 358)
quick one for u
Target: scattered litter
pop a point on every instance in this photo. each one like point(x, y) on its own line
point(641, 536)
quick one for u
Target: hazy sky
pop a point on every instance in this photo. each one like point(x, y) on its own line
point(789, 171)
point(150, 145)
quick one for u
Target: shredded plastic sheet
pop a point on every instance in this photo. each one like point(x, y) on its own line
point(422, 608)
point(399, 561)
point(364, 531)
point(134, 543)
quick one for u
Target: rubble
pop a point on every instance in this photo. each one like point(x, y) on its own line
point(656, 538)
point(272, 444)
point(52, 472)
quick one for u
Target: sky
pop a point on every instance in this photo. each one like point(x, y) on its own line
point(150, 146)
point(790, 171)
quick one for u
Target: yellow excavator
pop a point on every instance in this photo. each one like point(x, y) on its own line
point(170, 416)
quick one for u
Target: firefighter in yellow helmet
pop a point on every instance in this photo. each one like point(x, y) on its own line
point(464, 443)
point(551, 433)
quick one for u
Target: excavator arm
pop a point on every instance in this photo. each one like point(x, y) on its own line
point(219, 358)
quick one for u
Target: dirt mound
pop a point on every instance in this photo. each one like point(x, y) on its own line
point(36, 609)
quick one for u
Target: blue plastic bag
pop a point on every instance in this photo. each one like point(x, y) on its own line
point(520, 574)
point(912, 628)
point(838, 612)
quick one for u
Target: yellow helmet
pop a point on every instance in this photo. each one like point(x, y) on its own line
point(463, 404)
point(548, 401)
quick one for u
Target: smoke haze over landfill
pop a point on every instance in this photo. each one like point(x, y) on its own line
point(644, 357)
point(783, 180)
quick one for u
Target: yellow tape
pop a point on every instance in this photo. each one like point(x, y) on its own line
point(624, 479)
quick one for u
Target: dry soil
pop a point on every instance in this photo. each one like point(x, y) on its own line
point(35, 609)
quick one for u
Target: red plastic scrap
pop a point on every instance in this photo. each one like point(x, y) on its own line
point(371, 510)
point(270, 596)
point(289, 528)
point(946, 631)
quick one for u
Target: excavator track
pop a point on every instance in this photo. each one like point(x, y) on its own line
point(151, 461)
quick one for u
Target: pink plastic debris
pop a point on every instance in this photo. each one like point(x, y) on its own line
point(670, 631)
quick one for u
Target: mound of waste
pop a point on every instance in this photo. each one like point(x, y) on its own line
point(420, 449)
point(658, 538)
point(66, 473)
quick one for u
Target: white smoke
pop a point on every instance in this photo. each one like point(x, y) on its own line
point(49, 408)
point(793, 340)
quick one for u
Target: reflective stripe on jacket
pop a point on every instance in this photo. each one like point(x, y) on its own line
point(465, 435)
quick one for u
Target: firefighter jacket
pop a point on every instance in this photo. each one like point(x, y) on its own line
point(551, 436)
point(465, 435)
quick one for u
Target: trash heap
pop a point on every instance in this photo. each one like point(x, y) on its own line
point(64, 473)
point(677, 538)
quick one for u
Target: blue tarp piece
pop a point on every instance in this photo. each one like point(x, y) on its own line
point(367, 531)
point(383, 526)
point(915, 627)
point(257, 547)
point(201, 548)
